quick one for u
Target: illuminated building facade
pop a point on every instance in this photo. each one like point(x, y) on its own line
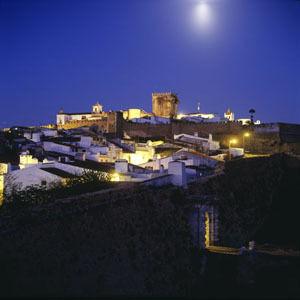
point(97, 113)
point(107, 122)
point(165, 105)
point(134, 113)
point(229, 115)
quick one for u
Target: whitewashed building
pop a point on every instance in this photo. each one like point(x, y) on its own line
point(207, 144)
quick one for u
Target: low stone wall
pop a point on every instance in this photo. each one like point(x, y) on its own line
point(158, 181)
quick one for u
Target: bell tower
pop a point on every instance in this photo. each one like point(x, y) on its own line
point(97, 108)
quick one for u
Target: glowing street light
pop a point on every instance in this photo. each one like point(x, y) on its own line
point(245, 135)
point(231, 142)
point(115, 177)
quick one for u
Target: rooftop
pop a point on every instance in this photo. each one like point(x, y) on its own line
point(93, 165)
point(77, 113)
point(59, 172)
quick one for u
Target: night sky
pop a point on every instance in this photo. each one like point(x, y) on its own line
point(222, 53)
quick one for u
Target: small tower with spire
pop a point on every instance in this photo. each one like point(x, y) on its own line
point(97, 108)
point(229, 115)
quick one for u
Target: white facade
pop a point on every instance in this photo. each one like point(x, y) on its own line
point(26, 160)
point(33, 136)
point(187, 157)
point(235, 152)
point(4, 168)
point(85, 141)
point(121, 166)
point(134, 113)
point(64, 149)
point(94, 152)
point(49, 132)
point(207, 144)
point(34, 175)
point(193, 158)
point(26, 177)
point(246, 121)
point(94, 149)
point(36, 137)
point(199, 117)
point(178, 172)
point(63, 118)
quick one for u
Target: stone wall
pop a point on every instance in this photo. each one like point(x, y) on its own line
point(102, 124)
point(178, 127)
point(111, 124)
point(264, 138)
point(289, 133)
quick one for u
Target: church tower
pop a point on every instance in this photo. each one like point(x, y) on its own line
point(165, 105)
point(97, 108)
point(229, 115)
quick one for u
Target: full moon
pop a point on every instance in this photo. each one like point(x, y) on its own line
point(203, 13)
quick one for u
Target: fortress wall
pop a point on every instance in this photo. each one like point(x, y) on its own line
point(204, 129)
point(264, 138)
point(80, 123)
point(147, 130)
point(289, 133)
point(111, 124)
point(168, 130)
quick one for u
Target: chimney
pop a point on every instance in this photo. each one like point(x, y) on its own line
point(161, 168)
point(80, 156)
point(156, 164)
point(178, 172)
point(121, 166)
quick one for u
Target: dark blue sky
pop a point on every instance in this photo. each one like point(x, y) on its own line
point(63, 53)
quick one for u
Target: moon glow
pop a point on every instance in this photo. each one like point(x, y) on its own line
point(203, 14)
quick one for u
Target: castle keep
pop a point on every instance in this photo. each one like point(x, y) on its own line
point(164, 105)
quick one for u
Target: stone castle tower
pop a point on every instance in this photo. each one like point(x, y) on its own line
point(164, 104)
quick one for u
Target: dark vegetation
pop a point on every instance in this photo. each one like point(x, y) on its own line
point(137, 242)
point(139, 245)
point(257, 199)
point(89, 181)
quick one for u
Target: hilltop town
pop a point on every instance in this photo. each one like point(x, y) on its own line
point(135, 146)
point(219, 178)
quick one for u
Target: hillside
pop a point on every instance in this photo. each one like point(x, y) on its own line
point(257, 199)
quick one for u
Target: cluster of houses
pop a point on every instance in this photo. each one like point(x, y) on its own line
point(48, 156)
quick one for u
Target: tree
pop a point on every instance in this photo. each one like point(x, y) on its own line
point(88, 181)
point(252, 112)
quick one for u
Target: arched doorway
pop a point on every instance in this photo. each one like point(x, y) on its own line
point(207, 230)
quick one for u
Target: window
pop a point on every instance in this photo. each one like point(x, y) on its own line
point(43, 182)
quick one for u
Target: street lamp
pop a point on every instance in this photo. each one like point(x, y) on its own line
point(231, 142)
point(245, 135)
